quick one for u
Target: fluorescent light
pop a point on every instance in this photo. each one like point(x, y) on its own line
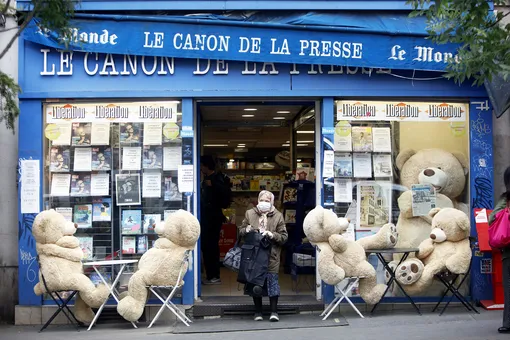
point(282, 111)
point(280, 118)
point(299, 160)
point(232, 161)
point(305, 141)
point(301, 144)
point(285, 144)
point(241, 144)
point(250, 109)
point(248, 116)
point(305, 131)
point(215, 145)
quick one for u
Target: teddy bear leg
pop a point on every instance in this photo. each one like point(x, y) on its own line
point(132, 306)
point(93, 296)
point(370, 291)
point(82, 311)
point(39, 289)
point(385, 238)
point(409, 272)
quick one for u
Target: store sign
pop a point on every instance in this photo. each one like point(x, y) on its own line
point(401, 111)
point(255, 44)
point(113, 112)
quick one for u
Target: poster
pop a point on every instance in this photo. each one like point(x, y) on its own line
point(152, 157)
point(362, 139)
point(172, 190)
point(151, 184)
point(374, 208)
point(152, 133)
point(424, 199)
point(362, 165)
point(131, 158)
point(343, 190)
point(29, 193)
point(172, 157)
point(100, 133)
point(81, 134)
point(100, 184)
point(382, 165)
point(60, 184)
point(185, 178)
point(343, 165)
point(82, 159)
point(130, 133)
point(60, 159)
point(343, 136)
point(63, 136)
point(329, 163)
point(128, 189)
point(381, 138)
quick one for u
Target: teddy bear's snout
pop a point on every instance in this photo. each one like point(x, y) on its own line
point(438, 235)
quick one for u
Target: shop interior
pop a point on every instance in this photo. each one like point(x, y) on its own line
point(264, 145)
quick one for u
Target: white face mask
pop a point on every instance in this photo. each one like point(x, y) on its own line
point(264, 206)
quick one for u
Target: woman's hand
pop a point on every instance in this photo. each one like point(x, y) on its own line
point(248, 228)
point(268, 234)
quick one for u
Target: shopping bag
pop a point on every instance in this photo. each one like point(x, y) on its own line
point(232, 258)
point(499, 230)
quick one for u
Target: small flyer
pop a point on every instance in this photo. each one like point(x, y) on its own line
point(30, 186)
point(81, 134)
point(343, 165)
point(60, 159)
point(128, 244)
point(167, 213)
point(185, 178)
point(100, 133)
point(128, 189)
point(362, 139)
point(87, 246)
point(83, 215)
point(101, 159)
point(424, 199)
point(172, 190)
point(66, 212)
point(382, 165)
point(152, 133)
point(172, 157)
point(130, 133)
point(64, 134)
point(362, 165)
point(100, 184)
point(151, 183)
point(80, 185)
point(343, 190)
point(60, 184)
point(381, 139)
point(343, 136)
point(152, 157)
point(131, 222)
point(329, 164)
point(82, 159)
point(102, 209)
point(131, 158)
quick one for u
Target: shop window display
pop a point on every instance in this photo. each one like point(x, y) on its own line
point(394, 162)
point(112, 169)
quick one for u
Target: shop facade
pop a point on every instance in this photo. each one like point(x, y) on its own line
point(98, 101)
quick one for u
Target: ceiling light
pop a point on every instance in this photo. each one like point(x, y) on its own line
point(305, 141)
point(287, 141)
point(215, 145)
point(248, 116)
point(250, 109)
point(305, 131)
point(299, 160)
point(285, 144)
point(232, 161)
point(242, 144)
point(301, 144)
point(282, 111)
point(279, 118)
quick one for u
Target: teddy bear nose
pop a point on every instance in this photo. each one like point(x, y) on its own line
point(433, 236)
point(76, 226)
point(429, 173)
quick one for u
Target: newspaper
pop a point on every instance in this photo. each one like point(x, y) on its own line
point(424, 199)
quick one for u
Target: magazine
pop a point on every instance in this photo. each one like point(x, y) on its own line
point(382, 165)
point(142, 243)
point(60, 159)
point(172, 190)
point(374, 208)
point(101, 158)
point(343, 165)
point(131, 222)
point(83, 215)
point(152, 157)
point(102, 210)
point(81, 134)
point(66, 212)
point(290, 195)
point(290, 216)
point(130, 133)
point(80, 185)
point(129, 245)
point(423, 199)
point(87, 246)
point(149, 222)
point(362, 139)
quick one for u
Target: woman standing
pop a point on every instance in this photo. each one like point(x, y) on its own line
point(265, 219)
point(502, 204)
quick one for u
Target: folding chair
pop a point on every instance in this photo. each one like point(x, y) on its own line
point(352, 281)
point(449, 281)
point(167, 301)
point(61, 303)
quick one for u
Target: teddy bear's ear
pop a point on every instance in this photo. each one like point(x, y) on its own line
point(462, 160)
point(463, 223)
point(403, 157)
point(434, 212)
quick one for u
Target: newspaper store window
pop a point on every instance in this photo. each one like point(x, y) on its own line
point(112, 168)
point(368, 138)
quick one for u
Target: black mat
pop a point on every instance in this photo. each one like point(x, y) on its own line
point(240, 324)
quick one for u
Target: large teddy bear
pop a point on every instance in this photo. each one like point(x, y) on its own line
point(340, 257)
point(160, 265)
point(60, 257)
point(447, 248)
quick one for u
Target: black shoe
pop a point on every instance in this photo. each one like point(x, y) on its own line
point(274, 317)
point(504, 330)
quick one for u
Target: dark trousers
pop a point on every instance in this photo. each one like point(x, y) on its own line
point(273, 302)
point(209, 244)
point(506, 287)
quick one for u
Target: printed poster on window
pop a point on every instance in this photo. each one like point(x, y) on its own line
point(381, 139)
point(424, 199)
point(343, 136)
point(374, 208)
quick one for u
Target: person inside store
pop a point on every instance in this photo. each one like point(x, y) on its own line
point(502, 204)
point(265, 219)
point(213, 188)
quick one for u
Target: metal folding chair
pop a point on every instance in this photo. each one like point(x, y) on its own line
point(449, 281)
point(351, 282)
point(167, 300)
point(61, 302)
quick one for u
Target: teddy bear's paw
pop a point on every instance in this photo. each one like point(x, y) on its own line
point(130, 309)
point(391, 235)
point(84, 315)
point(409, 272)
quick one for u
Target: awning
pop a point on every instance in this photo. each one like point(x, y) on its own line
point(366, 39)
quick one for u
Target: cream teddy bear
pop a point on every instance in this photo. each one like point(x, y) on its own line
point(340, 257)
point(60, 256)
point(160, 265)
point(447, 248)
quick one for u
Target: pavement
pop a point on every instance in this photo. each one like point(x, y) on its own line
point(395, 325)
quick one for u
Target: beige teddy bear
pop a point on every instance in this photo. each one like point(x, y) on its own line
point(160, 265)
point(447, 248)
point(340, 257)
point(60, 257)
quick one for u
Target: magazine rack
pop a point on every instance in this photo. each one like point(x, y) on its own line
point(167, 301)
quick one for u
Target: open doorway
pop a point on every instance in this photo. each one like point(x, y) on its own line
point(264, 145)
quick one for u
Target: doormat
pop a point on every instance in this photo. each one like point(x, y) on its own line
point(242, 324)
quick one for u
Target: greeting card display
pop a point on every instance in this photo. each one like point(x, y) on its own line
point(81, 134)
point(101, 158)
point(60, 159)
point(80, 185)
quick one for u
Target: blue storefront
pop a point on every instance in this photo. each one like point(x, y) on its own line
point(323, 57)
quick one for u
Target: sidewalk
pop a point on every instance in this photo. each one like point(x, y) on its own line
point(401, 325)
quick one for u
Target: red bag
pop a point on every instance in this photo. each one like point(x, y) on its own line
point(499, 230)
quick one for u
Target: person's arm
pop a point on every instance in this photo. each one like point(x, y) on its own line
point(499, 206)
point(280, 235)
